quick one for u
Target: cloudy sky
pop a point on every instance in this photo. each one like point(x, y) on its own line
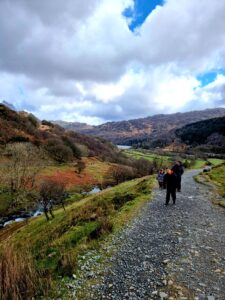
point(105, 60)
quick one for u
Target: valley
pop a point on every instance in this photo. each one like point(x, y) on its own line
point(65, 196)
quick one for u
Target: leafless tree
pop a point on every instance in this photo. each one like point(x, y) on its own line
point(51, 193)
point(23, 163)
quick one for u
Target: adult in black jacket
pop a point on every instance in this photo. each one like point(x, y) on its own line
point(178, 170)
point(170, 180)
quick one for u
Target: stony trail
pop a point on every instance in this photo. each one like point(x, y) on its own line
point(173, 252)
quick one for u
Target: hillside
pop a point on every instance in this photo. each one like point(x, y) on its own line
point(152, 129)
point(25, 127)
point(209, 135)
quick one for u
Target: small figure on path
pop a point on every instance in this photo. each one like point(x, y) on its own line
point(178, 169)
point(170, 179)
point(160, 178)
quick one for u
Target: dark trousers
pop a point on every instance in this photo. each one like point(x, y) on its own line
point(171, 192)
point(179, 183)
point(160, 184)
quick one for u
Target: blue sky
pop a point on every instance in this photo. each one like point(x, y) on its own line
point(140, 11)
point(208, 77)
point(95, 61)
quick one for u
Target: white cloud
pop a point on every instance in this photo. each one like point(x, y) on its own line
point(72, 60)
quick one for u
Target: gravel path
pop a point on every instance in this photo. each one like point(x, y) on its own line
point(173, 252)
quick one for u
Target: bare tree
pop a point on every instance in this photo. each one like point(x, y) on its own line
point(120, 173)
point(51, 193)
point(23, 163)
point(80, 165)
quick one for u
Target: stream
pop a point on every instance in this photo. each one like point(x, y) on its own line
point(22, 216)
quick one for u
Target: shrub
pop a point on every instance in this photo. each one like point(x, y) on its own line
point(47, 123)
point(33, 120)
point(144, 167)
point(58, 151)
point(19, 139)
point(120, 174)
point(69, 143)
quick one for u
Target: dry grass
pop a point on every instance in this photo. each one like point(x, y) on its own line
point(18, 276)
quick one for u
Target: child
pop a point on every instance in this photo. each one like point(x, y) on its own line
point(160, 178)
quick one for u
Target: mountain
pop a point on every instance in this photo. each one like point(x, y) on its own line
point(208, 135)
point(76, 126)
point(25, 127)
point(155, 130)
point(9, 105)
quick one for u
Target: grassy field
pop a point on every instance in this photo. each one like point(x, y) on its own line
point(53, 247)
point(138, 154)
point(168, 161)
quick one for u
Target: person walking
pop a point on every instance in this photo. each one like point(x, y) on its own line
point(170, 180)
point(178, 169)
point(160, 178)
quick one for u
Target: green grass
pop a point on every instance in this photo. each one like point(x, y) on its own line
point(215, 161)
point(198, 164)
point(138, 154)
point(5, 202)
point(217, 177)
point(55, 245)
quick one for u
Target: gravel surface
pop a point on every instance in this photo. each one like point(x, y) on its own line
point(169, 252)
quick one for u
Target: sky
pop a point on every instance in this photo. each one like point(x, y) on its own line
point(96, 61)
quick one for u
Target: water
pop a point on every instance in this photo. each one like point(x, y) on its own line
point(21, 218)
point(94, 190)
point(123, 147)
point(39, 211)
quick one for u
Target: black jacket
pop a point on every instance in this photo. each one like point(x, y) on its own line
point(178, 170)
point(170, 180)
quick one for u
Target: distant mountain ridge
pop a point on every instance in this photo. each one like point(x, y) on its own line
point(155, 129)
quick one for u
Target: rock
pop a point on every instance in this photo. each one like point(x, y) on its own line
point(70, 286)
point(165, 282)
point(170, 282)
point(202, 284)
point(217, 271)
point(110, 285)
point(166, 261)
point(90, 274)
point(155, 293)
point(211, 298)
point(163, 295)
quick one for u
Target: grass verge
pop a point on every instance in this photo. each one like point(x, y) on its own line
point(216, 179)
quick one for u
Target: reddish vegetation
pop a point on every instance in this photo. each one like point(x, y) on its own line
point(71, 179)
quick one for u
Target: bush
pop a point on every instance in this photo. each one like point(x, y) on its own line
point(144, 167)
point(120, 174)
point(33, 120)
point(19, 139)
point(47, 123)
point(58, 151)
point(69, 143)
